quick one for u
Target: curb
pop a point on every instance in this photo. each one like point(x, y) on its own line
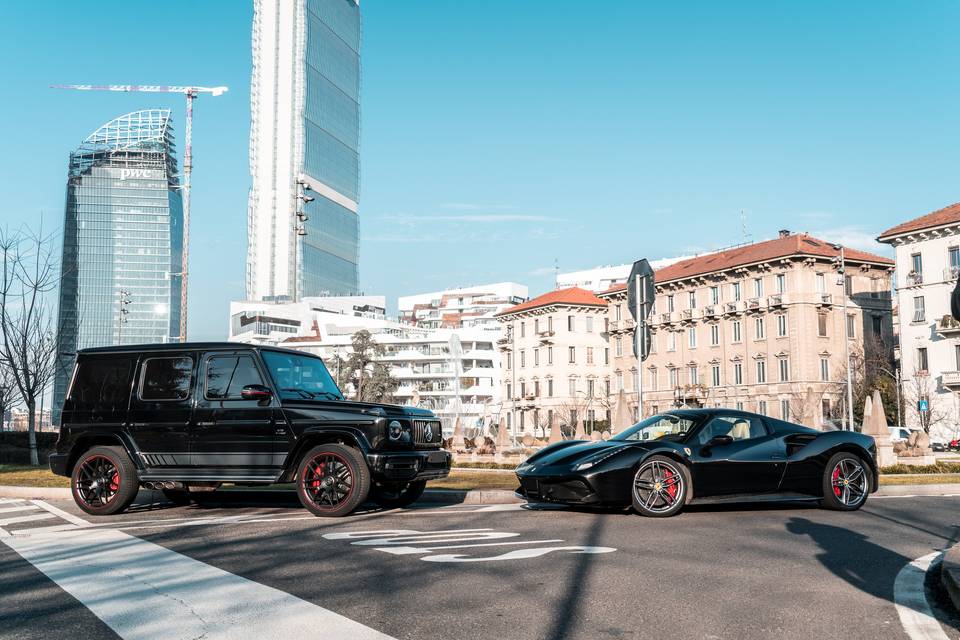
point(40, 493)
point(918, 489)
point(950, 574)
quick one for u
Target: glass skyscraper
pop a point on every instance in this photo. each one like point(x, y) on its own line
point(122, 240)
point(305, 128)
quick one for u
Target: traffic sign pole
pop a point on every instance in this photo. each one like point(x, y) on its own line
point(639, 334)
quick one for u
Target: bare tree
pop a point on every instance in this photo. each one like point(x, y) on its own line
point(8, 391)
point(29, 275)
point(923, 387)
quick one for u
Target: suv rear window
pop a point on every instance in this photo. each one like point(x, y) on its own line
point(102, 385)
point(166, 379)
point(228, 375)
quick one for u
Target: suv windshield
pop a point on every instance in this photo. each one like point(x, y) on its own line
point(664, 426)
point(301, 376)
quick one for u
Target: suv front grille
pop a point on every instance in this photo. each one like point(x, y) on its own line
point(423, 428)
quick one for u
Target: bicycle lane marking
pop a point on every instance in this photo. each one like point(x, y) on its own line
point(142, 591)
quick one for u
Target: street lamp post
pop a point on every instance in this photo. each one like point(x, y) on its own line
point(841, 270)
point(300, 230)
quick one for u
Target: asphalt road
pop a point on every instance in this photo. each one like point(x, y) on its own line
point(734, 572)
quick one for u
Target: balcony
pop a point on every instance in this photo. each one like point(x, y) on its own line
point(951, 379)
point(947, 326)
point(710, 312)
point(914, 279)
point(753, 304)
point(731, 308)
point(686, 315)
point(951, 273)
point(666, 318)
point(546, 337)
point(775, 300)
point(825, 299)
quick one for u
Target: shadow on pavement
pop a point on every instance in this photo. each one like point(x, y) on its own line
point(578, 587)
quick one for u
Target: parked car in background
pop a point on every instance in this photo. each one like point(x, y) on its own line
point(899, 434)
point(954, 445)
point(938, 446)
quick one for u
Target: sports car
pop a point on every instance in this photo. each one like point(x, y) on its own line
point(697, 455)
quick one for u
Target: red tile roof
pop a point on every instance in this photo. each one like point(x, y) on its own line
point(795, 244)
point(570, 296)
point(947, 215)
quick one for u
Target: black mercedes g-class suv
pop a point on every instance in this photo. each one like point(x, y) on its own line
point(184, 418)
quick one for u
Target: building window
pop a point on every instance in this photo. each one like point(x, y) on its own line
point(825, 408)
point(570, 323)
point(523, 359)
point(573, 387)
point(956, 356)
point(674, 378)
point(618, 376)
point(589, 324)
point(572, 355)
point(758, 287)
point(618, 346)
point(919, 311)
point(694, 374)
point(670, 303)
point(589, 355)
point(549, 387)
point(606, 324)
point(739, 406)
point(848, 285)
point(693, 299)
point(536, 357)
point(822, 325)
point(509, 420)
point(760, 328)
point(509, 391)
point(523, 389)
point(653, 379)
point(590, 387)
point(781, 283)
point(916, 269)
point(672, 341)
point(781, 325)
point(523, 329)
point(825, 369)
point(736, 291)
point(851, 326)
point(715, 295)
point(606, 355)
point(877, 323)
point(715, 375)
point(761, 371)
point(692, 337)
point(821, 283)
point(784, 409)
point(784, 369)
point(606, 387)
point(509, 361)
point(522, 426)
point(550, 324)
point(714, 334)
point(617, 312)
point(549, 355)
point(737, 373)
point(922, 364)
point(736, 331)
point(536, 325)
point(762, 407)
point(536, 388)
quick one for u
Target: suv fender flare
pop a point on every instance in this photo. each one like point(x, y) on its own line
point(312, 437)
point(109, 438)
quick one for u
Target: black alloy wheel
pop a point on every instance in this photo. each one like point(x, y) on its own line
point(104, 481)
point(660, 487)
point(397, 495)
point(332, 480)
point(846, 482)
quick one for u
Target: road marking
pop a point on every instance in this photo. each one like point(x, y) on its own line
point(69, 517)
point(406, 541)
point(15, 520)
point(909, 595)
point(28, 507)
point(144, 591)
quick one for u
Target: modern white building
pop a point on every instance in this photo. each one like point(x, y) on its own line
point(304, 149)
point(461, 307)
point(928, 262)
point(454, 372)
point(606, 277)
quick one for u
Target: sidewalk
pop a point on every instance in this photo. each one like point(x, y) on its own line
point(950, 574)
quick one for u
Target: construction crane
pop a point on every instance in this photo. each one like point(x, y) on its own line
point(191, 93)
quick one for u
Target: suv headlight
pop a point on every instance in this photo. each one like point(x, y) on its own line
point(395, 430)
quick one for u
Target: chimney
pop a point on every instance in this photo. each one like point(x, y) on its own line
point(784, 233)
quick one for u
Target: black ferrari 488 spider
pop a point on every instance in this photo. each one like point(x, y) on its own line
point(683, 456)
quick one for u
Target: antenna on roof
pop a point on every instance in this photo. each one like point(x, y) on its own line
point(743, 226)
point(556, 273)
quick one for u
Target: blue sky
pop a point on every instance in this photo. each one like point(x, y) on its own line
point(500, 136)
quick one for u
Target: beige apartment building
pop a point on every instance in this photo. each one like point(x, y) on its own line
point(757, 327)
point(555, 362)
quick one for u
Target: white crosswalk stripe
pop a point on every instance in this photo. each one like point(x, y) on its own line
point(26, 507)
point(40, 516)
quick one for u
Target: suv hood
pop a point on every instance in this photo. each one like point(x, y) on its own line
point(368, 408)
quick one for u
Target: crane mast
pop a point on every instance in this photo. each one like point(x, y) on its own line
point(191, 94)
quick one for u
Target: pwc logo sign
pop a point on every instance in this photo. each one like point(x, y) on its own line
point(134, 174)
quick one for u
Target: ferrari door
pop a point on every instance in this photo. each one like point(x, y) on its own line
point(734, 455)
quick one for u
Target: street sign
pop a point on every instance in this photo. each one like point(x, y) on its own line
point(640, 296)
point(923, 405)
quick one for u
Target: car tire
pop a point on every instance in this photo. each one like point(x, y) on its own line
point(660, 487)
point(179, 497)
point(104, 481)
point(397, 495)
point(847, 479)
point(332, 480)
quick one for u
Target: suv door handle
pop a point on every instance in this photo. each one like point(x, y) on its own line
point(212, 423)
point(280, 432)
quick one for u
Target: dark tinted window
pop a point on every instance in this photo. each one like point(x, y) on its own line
point(166, 378)
point(228, 375)
point(103, 385)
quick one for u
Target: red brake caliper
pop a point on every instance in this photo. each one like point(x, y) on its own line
point(315, 484)
point(835, 481)
point(672, 489)
point(115, 481)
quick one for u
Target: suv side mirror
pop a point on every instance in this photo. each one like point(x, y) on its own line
point(257, 392)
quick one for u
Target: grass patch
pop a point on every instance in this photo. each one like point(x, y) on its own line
point(485, 465)
point(23, 475)
point(466, 480)
point(929, 478)
point(939, 467)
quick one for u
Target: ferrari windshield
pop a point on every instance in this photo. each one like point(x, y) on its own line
point(665, 426)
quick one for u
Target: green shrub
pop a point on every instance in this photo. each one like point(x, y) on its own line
point(939, 467)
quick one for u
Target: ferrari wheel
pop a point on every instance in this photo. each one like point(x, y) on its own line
point(660, 487)
point(846, 482)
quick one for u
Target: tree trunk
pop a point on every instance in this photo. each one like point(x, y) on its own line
point(32, 432)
